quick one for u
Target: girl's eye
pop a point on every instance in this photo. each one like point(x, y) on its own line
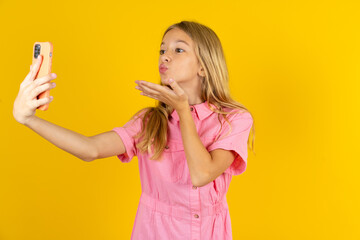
point(162, 51)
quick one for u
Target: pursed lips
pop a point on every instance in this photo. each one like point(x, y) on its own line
point(162, 68)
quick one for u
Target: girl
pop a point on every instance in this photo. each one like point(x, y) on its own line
point(188, 147)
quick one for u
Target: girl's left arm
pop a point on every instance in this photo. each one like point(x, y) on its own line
point(204, 166)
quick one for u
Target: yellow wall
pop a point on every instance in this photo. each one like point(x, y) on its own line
point(294, 64)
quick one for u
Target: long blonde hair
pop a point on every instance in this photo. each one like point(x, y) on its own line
point(215, 89)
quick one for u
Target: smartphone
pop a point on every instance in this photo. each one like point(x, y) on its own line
point(45, 49)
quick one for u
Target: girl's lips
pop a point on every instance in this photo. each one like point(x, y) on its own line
point(162, 70)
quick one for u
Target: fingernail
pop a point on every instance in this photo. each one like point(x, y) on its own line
point(54, 75)
point(171, 80)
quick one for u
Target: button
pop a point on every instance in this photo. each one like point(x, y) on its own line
point(194, 187)
point(196, 216)
point(191, 108)
point(167, 147)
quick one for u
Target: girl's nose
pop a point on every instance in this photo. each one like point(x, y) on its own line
point(164, 57)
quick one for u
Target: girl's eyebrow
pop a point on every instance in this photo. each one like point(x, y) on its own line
point(176, 42)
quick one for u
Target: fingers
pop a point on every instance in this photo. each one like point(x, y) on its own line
point(35, 92)
point(146, 89)
point(152, 88)
point(38, 102)
point(44, 79)
point(35, 68)
point(176, 88)
point(43, 86)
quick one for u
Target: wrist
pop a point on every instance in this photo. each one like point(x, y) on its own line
point(183, 108)
point(183, 113)
point(28, 120)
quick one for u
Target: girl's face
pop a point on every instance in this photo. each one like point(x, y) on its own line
point(178, 55)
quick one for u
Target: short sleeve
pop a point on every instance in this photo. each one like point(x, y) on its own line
point(127, 133)
point(236, 141)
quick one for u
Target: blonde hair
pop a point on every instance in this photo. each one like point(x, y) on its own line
point(215, 89)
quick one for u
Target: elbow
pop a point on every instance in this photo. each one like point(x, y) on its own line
point(199, 184)
point(89, 158)
point(200, 181)
point(92, 155)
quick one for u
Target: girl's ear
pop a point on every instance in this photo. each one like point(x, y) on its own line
point(201, 72)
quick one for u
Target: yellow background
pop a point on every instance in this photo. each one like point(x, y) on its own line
point(294, 64)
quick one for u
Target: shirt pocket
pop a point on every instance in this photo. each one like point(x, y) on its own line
point(173, 162)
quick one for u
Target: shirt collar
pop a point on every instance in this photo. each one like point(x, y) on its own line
point(201, 111)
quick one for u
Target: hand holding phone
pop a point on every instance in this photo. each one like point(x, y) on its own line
point(27, 100)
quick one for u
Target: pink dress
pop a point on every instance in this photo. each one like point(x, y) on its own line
point(170, 207)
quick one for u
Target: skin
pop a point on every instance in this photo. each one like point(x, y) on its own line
point(186, 71)
point(26, 103)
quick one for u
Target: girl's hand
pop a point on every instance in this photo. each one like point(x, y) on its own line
point(26, 102)
point(176, 98)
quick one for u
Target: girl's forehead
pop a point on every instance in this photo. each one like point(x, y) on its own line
point(176, 35)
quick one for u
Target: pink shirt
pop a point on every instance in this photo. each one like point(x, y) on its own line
point(170, 207)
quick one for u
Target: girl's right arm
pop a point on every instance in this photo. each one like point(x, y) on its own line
point(86, 148)
point(80, 146)
point(103, 145)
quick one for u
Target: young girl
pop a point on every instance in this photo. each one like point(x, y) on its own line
point(188, 147)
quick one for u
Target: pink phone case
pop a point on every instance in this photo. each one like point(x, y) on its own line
point(45, 49)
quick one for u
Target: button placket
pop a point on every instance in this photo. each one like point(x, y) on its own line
point(195, 211)
point(194, 115)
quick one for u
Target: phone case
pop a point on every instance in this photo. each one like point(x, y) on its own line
point(45, 49)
